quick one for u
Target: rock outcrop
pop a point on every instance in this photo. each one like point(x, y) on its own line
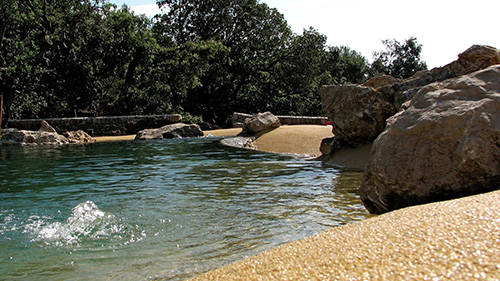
point(260, 122)
point(178, 130)
point(445, 145)
point(359, 112)
point(45, 127)
point(78, 137)
point(46, 135)
point(102, 125)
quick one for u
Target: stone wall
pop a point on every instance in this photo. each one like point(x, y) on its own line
point(100, 126)
point(239, 118)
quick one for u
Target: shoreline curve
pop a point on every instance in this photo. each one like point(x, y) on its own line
point(449, 240)
point(289, 139)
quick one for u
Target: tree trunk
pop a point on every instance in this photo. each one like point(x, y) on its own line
point(1, 112)
point(129, 76)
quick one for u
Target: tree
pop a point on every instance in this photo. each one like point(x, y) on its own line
point(62, 57)
point(291, 86)
point(17, 53)
point(253, 36)
point(36, 37)
point(346, 66)
point(398, 60)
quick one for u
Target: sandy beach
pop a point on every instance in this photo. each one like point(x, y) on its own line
point(114, 138)
point(451, 240)
point(297, 139)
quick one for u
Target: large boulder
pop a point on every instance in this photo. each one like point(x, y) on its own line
point(359, 112)
point(260, 122)
point(445, 145)
point(473, 59)
point(178, 130)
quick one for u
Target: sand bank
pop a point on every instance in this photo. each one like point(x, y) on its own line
point(231, 132)
point(297, 139)
point(451, 240)
point(114, 138)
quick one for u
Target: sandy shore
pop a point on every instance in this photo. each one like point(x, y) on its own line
point(298, 139)
point(114, 138)
point(451, 240)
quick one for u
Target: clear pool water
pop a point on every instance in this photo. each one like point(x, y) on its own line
point(160, 209)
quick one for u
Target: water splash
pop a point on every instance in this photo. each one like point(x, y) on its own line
point(87, 221)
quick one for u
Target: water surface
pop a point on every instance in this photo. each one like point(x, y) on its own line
point(170, 209)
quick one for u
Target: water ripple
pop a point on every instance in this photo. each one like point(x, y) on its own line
point(169, 209)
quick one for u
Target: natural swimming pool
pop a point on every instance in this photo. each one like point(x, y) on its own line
point(168, 209)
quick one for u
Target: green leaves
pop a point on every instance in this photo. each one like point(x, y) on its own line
point(250, 38)
point(206, 58)
point(400, 60)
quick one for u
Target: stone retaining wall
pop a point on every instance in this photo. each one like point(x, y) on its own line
point(100, 126)
point(239, 118)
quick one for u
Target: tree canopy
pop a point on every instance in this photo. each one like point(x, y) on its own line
point(400, 60)
point(201, 58)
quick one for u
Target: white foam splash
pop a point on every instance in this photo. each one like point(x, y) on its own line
point(86, 221)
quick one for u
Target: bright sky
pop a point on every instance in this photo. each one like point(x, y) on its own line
point(445, 28)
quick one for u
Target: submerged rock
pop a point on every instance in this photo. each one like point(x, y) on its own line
point(178, 130)
point(445, 145)
point(240, 142)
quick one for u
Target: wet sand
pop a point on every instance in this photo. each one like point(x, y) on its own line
point(451, 240)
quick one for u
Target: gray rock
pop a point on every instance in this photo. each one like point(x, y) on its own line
point(24, 137)
point(178, 130)
point(45, 127)
point(78, 137)
point(260, 122)
point(444, 146)
point(43, 137)
point(46, 138)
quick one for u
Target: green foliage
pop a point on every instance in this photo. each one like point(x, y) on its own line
point(203, 58)
point(400, 60)
point(252, 38)
point(346, 66)
point(291, 85)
